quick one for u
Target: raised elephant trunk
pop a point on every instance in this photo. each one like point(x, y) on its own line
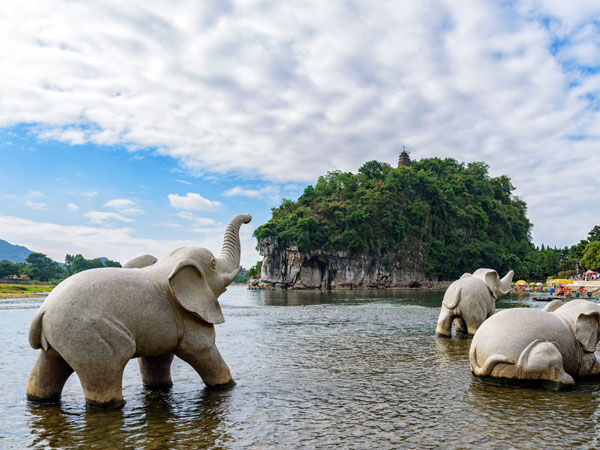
point(505, 283)
point(228, 262)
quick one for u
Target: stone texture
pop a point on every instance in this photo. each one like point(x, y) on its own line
point(288, 268)
point(529, 344)
point(95, 321)
point(470, 300)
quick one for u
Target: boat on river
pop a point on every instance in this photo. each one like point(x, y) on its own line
point(544, 297)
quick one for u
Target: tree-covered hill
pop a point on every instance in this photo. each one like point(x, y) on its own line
point(13, 253)
point(456, 214)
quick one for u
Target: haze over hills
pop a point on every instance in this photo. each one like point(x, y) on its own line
point(12, 252)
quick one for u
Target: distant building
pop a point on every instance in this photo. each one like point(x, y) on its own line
point(404, 159)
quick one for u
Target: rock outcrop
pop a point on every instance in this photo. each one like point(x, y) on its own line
point(285, 266)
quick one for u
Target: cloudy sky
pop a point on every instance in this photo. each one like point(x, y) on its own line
point(135, 129)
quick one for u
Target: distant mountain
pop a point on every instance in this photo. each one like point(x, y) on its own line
point(14, 253)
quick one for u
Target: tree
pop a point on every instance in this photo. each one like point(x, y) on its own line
point(42, 268)
point(8, 268)
point(253, 272)
point(591, 256)
point(594, 234)
point(111, 263)
point(374, 169)
point(69, 263)
point(456, 215)
point(79, 263)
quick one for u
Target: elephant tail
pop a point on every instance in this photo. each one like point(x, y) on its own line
point(36, 335)
point(452, 300)
point(489, 364)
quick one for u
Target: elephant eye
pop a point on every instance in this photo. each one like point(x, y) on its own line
point(213, 263)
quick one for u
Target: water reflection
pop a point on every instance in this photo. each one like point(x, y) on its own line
point(350, 369)
point(537, 414)
point(156, 420)
point(54, 427)
point(449, 351)
point(277, 297)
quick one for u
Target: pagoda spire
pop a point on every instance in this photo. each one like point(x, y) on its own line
point(404, 159)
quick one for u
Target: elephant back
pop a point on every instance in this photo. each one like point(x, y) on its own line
point(511, 331)
point(469, 289)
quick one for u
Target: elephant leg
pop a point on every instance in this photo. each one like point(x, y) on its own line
point(460, 326)
point(48, 377)
point(444, 323)
point(542, 360)
point(210, 366)
point(156, 371)
point(102, 383)
point(473, 320)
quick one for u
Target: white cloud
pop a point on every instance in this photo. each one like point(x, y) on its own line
point(100, 217)
point(119, 244)
point(192, 201)
point(124, 206)
point(198, 221)
point(183, 182)
point(285, 92)
point(35, 195)
point(73, 206)
point(36, 205)
point(119, 203)
point(251, 193)
point(272, 193)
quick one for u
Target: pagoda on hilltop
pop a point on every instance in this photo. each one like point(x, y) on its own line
point(404, 159)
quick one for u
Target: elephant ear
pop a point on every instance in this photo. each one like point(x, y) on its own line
point(553, 305)
point(191, 290)
point(491, 279)
point(140, 262)
point(586, 330)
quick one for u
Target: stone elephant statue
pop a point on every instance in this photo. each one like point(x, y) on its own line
point(95, 321)
point(470, 300)
point(555, 344)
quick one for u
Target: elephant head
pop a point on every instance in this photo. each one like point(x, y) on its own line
point(584, 319)
point(199, 278)
point(498, 287)
point(195, 277)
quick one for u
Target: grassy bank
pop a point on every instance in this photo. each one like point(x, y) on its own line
point(23, 290)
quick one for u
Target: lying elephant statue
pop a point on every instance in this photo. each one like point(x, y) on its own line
point(94, 322)
point(554, 344)
point(470, 300)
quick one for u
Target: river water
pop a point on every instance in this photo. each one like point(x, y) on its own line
point(350, 369)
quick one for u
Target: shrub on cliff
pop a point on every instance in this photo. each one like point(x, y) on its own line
point(456, 215)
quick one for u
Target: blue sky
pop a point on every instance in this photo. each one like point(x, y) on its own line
point(136, 129)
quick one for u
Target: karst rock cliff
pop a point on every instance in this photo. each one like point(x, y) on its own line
point(286, 267)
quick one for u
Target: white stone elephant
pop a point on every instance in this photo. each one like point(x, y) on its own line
point(555, 344)
point(470, 300)
point(94, 322)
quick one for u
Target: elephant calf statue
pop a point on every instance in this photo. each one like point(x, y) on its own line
point(470, 300)
point(94, 322)
point(554, 344)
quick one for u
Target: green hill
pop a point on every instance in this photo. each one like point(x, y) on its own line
point(13, 253)
point(458, 217)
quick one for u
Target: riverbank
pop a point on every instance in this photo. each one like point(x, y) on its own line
point(429, 286)
point(24, 290)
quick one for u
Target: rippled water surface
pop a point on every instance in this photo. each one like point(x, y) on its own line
point(353, 369)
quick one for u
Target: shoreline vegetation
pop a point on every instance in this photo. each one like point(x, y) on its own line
point(24, 290)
